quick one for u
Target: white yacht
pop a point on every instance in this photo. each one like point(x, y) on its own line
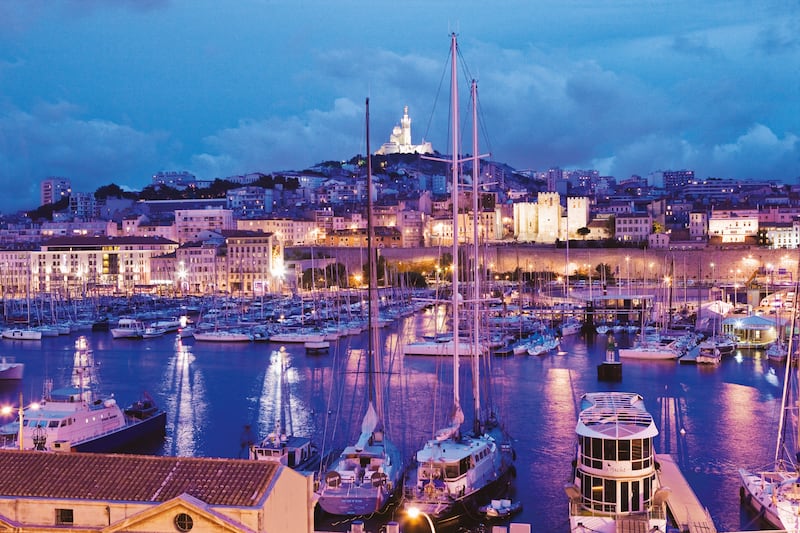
point(459, 470)
point(615, 485)
point(128, 328)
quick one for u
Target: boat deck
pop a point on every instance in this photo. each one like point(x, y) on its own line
point(686, 510)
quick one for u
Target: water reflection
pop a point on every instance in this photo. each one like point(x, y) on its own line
point(186, 402)
point(279, 407)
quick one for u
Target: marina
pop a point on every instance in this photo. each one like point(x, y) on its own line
point(712, 420)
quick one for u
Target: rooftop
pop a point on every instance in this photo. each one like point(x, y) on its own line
point(85, 476)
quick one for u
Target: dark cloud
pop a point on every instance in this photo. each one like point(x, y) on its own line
point(52, 140)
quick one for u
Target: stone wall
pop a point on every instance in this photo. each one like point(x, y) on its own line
point(730, 264)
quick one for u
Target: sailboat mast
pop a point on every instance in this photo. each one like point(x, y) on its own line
point(372, 305)
point(455, 191)
point(790, 360)
point(476, 340)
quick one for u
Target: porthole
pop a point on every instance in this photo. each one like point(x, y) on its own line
point(183, 522)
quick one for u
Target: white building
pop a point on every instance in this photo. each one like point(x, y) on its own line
point(400, 140)
point(288, 231)
point(733, 226)
point(189, 223)
point(71, 265)
point(54, 189)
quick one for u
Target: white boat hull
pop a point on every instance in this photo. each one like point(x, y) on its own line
point(764, 494)
point(22, 334)
point(648, 353)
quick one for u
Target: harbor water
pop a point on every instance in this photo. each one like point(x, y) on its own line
point(712, 420)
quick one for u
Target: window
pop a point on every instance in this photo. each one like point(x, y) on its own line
point(183, 522)
point(64, 517)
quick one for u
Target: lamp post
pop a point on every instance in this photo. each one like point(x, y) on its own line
point(414, 512)
point(6, 410)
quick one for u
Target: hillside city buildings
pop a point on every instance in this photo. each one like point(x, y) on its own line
point(237, 243)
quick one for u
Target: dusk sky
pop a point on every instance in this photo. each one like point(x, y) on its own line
point(107, 92)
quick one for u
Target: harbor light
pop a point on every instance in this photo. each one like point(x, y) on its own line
point(8, 409)
point(415, 512)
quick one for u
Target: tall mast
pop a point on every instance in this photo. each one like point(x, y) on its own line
point(455, 173)
point(375, 394)
point(787, 379)
point(476, 163)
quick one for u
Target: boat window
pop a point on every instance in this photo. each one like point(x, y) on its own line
point(624, 495)
point(610, 491)
point(63, 423)
point(609, 449)
point(636, 449)
point(635, 501)
point(624, 450)
point(597, 448)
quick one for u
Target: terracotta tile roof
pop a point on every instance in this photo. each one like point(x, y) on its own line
point(134, 478)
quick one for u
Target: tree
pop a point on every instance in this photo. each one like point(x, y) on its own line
point(611, 226)
point(583, 232)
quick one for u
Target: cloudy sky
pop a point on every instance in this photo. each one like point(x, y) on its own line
point(112, 92)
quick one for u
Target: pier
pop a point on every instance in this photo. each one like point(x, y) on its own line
point(683, 504)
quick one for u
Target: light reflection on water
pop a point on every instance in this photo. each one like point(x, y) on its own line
point(728, 414)
point(186, 402)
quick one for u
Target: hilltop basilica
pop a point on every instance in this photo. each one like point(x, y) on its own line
point(400, 140)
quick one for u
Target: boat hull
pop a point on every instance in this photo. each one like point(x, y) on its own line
point(150, 429)
point(756, 494)
point(11, 371)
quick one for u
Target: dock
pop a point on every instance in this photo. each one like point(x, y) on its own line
point(686, 510)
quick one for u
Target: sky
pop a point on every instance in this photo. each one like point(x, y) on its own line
point(106, 92)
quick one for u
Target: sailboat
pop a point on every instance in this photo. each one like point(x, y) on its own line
point(457, 470)
point(367, 474)
point(775, 494)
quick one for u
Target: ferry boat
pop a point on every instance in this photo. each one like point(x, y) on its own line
point(72, 419)
point(615, 485)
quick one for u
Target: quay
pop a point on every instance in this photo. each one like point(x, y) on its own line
point(394, 527)
point(684, 506)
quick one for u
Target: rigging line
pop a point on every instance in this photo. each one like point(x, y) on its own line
point(445, 74)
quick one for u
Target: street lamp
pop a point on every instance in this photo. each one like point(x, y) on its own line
point(7, 410)
point(414, 513)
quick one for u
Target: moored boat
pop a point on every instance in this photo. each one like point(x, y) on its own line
point(73, 419)
point(128, 328)
point(22, 334)
point(774, 493)
point(222, 336)
point(367, 475)
point(10, 370)
point(500, 509)
point(459, 469)
point(615, 485)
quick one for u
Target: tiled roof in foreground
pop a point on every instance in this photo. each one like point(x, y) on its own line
point(133, 478)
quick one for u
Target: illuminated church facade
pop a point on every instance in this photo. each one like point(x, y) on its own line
point(400, 140)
